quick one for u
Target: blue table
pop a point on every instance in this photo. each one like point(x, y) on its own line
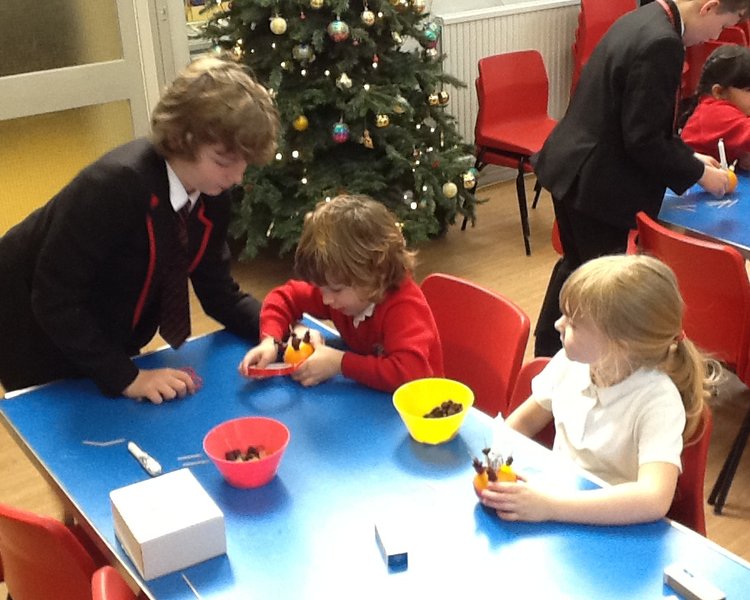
point(310, 532)
point(726, 219)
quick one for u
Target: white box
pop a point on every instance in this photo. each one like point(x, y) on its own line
point(167, 523)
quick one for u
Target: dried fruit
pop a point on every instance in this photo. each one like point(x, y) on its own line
point(298, 348)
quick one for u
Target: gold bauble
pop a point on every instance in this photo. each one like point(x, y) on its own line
point(450, 189)
point(316, 4)
point(367, 17)
point(433, 99)
point(278, 25)
point(382, 120)
point(418, 6)
point(301, 123)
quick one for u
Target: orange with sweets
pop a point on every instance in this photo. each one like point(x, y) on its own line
point(298, 348)
point(495, 469)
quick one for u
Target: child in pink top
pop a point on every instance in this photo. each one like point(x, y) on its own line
point(356, 272)
point(723, 106)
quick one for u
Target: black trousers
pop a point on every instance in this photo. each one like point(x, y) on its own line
point(583, 238)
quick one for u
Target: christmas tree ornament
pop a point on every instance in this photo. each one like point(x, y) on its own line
point(433, 99)
point(396, 36)
point(316, 4)
point(470, 180)
point(340, 132)
point(402, 6)
point(300, 123)
point(343, 82)
point(450, 189)
point(429, 38)
point(443, 97)
point(338, 31)
point(278, 25)
point(419, 6)
point(367, 17)
point(400, 105)
point(431, 53)
point(367, 140)
point(303, 52)
point(394, 2)
point(382, 120)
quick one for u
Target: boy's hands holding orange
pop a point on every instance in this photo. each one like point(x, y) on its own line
point(298, 348)
point(323, 364)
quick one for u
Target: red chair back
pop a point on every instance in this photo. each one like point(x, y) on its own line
point(108, 584)
point(512, 87)
point(695, 58)
point(522, 391)
point(733, 35)
point(688, 503)
point(594, 19)
point(484, 337)
point(714, 285)
point(42, 558)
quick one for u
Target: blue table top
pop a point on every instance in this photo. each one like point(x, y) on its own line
point(724, 219)
point(350, 462)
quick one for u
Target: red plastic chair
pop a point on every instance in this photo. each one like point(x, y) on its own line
point(695, 58)
point(513, 120)
point(716, 291)
point(687, 506)
point(733, 35)
point(484, 337)
point(522, 391)
point(42, 558)
point(108, 584)
point(594, 19)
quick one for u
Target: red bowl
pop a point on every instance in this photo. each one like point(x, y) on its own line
point(240, 433)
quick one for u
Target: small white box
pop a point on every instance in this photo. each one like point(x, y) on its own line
point(167, 523)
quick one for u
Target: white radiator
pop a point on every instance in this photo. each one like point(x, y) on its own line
point(545, 26)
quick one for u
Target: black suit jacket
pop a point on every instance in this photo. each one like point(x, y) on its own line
point(88, 266)
point(617, 138)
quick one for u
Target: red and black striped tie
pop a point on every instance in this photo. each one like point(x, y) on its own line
point(175, 302)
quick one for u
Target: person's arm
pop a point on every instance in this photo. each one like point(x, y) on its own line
point(529, 418)
point(644, 500)
point(648, 110)
point(91, 218)
point(408, 339)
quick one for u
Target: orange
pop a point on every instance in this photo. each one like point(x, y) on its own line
point(732, 176)
point(298, 349)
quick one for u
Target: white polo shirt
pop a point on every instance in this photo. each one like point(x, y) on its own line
point(611, 431)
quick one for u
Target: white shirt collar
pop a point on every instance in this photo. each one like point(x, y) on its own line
point(178, 195)
point(367, 312)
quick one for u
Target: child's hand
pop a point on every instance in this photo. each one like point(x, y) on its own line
point(323, 364)
point(260, 356)
point(157, 385)
point(518, 501)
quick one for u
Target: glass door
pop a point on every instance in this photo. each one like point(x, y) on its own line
point(73, 84)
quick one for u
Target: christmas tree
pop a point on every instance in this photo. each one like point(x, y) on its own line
point(361, 93)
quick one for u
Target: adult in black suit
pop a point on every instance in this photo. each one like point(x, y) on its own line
point(85, 278)
point(614, 152)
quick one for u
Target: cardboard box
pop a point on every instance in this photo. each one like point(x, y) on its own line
point(167, 523)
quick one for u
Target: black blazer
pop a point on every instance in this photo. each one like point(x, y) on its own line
point(90, 263)
point(617, 138)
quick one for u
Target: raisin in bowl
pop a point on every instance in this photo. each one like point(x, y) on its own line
point(247, 451)
point(433, 409)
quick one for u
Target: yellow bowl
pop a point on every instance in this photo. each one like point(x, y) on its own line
point(415, 399)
